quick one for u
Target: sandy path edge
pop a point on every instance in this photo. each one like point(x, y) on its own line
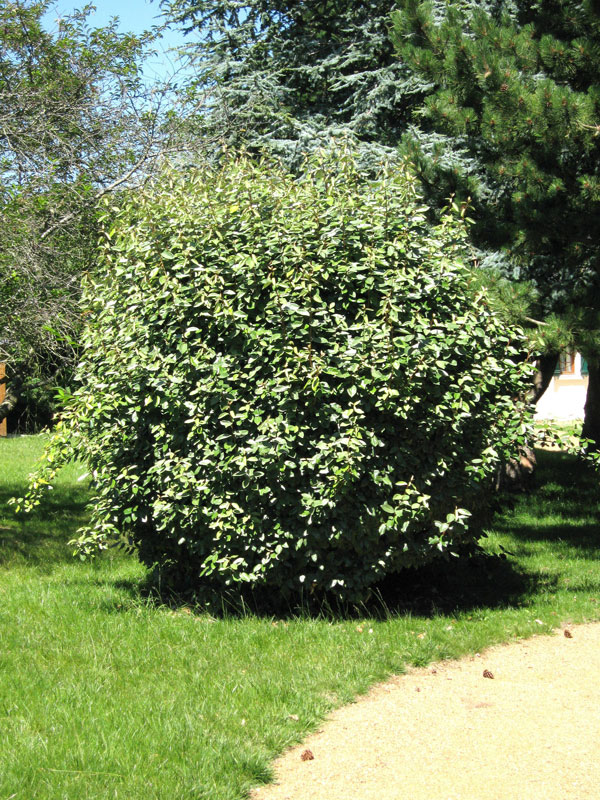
point(445, 732)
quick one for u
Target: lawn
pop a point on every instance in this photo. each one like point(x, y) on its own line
point(106, 694)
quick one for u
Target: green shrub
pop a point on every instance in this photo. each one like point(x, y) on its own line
point(288, 382)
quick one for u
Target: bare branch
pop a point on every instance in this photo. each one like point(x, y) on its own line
point(537, 322)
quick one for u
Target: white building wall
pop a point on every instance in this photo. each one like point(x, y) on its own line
point(565, 396)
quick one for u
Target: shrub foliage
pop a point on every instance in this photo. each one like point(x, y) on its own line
point(288, 382)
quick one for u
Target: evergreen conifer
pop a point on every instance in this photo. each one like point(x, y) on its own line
point(284, 76)
point(517, 90)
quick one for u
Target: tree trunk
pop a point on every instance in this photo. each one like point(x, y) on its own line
point(591, 420)
point(517, 475)
point(11, 398)
point(546, 365)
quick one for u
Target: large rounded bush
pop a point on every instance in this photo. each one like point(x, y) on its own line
point(289, 381)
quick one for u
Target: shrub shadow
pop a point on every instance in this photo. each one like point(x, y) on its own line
point(461, 584)
point(40, 537)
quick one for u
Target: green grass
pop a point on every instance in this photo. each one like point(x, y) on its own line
point(104, 694)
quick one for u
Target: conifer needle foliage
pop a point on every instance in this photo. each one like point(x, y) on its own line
point(285, 76)
point(520, 93)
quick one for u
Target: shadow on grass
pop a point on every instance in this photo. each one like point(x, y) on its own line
point(582, 540)
point(460, 585)
point(491, 581)
point(564, 508)
point(41, 537)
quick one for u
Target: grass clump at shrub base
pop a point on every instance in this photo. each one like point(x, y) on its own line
point(288, 382)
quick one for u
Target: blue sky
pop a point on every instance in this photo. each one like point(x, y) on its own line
point(134, 15)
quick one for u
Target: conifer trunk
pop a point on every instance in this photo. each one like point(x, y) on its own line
point(591, 420)
point(546, 365)
point(517, 474)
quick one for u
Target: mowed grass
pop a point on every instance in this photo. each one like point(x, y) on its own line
point(105, 694)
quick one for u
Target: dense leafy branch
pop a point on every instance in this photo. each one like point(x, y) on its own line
point(308, 392)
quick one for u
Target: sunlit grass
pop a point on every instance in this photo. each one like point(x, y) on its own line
point(104, 694)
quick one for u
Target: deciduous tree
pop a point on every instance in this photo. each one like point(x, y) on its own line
point(77, 121)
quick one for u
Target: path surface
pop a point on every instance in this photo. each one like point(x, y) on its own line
point(447, 733)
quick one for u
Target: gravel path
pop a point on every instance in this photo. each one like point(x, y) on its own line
point(446, 732)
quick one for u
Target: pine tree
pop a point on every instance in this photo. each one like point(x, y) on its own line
point(519, 95)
